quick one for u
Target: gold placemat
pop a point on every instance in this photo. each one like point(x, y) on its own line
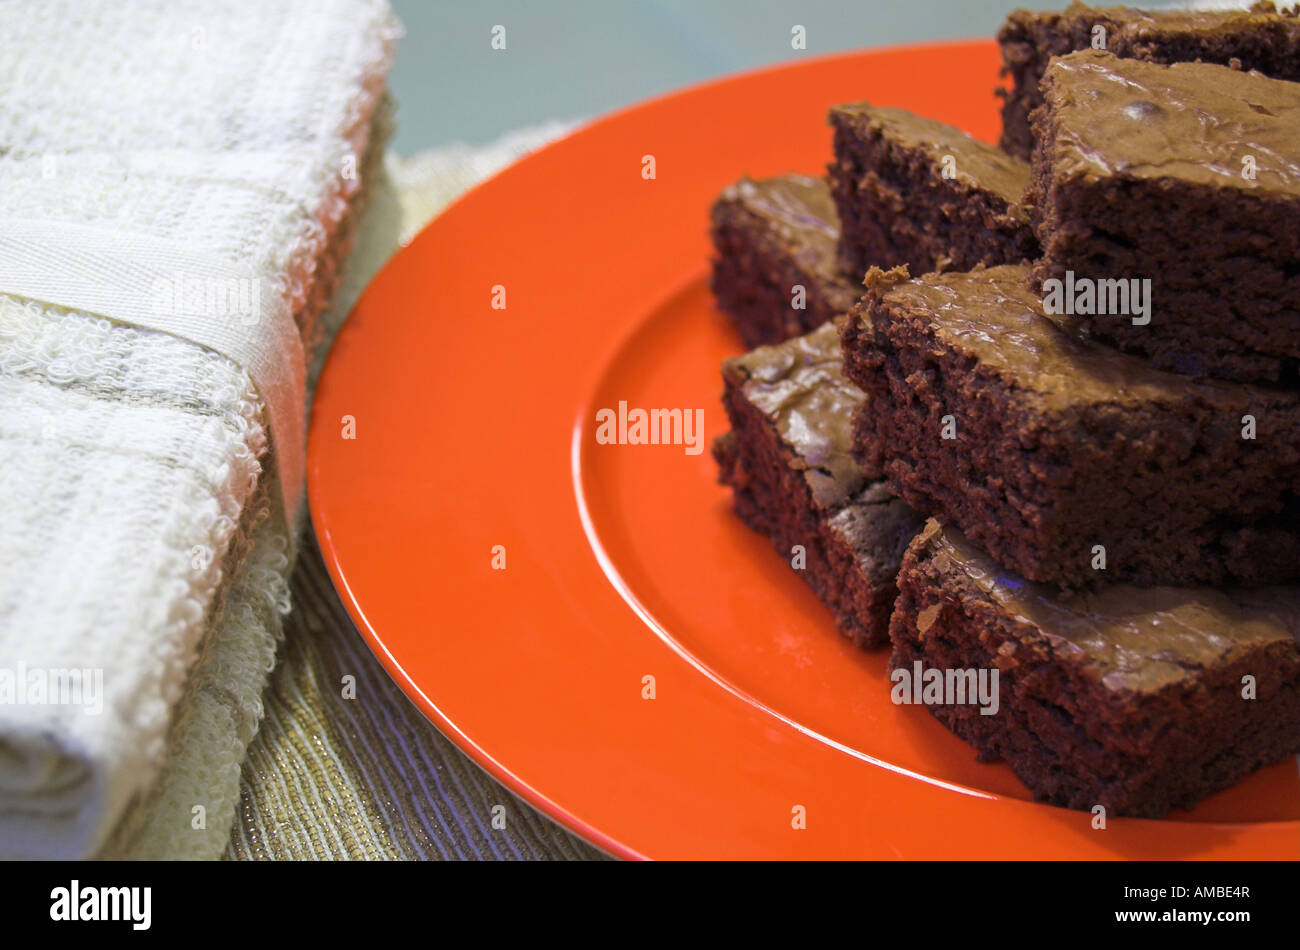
point(366, 777)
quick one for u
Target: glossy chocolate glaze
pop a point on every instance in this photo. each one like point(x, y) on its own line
point(1191, 121)
point(799, 209)
point(1137, 638)
point(800, 385)
point(992, 314)
point(1136, 25)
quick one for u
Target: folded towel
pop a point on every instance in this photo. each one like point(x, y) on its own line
point(139, 469)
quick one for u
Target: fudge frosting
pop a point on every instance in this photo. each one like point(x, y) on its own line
point(993, 314)
point(1192, 121)
point(1126, 24)
point(1139, 638)
point(980, 165)
point(800, 385)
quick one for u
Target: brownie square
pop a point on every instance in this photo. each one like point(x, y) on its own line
point(787, 460)
point(1262, 39)
point(1131, 698)
point(772, 236)
point(1068, 461)
point(914, 191)
point(1181, 182)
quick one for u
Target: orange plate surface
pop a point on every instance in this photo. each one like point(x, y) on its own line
point(476, 427)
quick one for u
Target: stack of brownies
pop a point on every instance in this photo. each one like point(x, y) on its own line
point(1044, 416)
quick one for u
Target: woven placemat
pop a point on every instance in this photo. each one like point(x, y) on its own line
point(369, 777)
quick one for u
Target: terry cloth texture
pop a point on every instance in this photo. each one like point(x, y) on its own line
point(370, 777)
point(139, 526)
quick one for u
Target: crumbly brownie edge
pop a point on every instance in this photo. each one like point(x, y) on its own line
point(753, 277)
point(864, 239)
point(1028, 40)
point(1073, 741)
point(772, 497)
point(1172, 493)
point(966, 481)
point(896, 207)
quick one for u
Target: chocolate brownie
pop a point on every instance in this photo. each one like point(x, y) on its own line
point(1068, 461)
point(1137, 699)
point(1181, 183)
point(787, 461)
point(772, 237)
point(915, 191)
point(1262, 39)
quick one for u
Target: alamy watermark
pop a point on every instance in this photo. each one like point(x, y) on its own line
point(635, 426)
point(1129, 297)
point(133, 905)
point(229, 298)
point(945, 687)
point(21, 685)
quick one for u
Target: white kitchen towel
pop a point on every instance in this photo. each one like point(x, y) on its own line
point(134, 466)
point(226, 703)
point(223, 705)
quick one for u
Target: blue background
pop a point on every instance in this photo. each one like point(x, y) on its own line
point(570, 59)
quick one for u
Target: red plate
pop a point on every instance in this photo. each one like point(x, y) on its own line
point(476, 427)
